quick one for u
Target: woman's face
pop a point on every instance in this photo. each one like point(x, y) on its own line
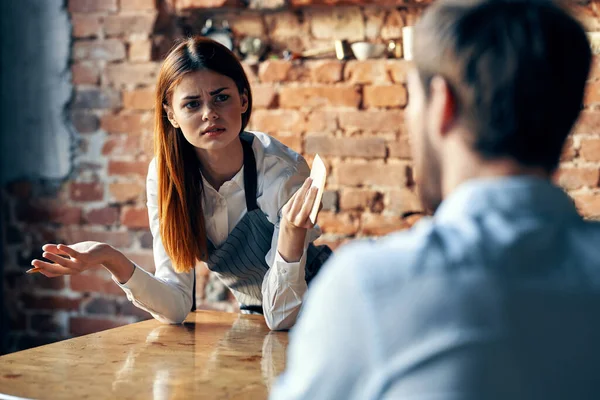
point(208, 109)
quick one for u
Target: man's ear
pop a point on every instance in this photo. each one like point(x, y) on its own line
point(443, 102)
point(170, 115)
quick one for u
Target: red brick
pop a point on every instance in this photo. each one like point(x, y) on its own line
point(590, 149)
point(404, 200)
point(90, 6)
point(359, 199)
point(125, 74)
point(385, 96)
point(379, 224)
point(251, 72)
point(366, 72)
point(102, 216)
point(371, 147)
point(588, 122)
point(85, 26)
point(322, 121)
point(392, 27)
point(135, 217)
point(87, 191)
point(51, 302)
point(43, 213)
point(336, 23)
point(139, 99)
point(142, 258)
point(372, 121)
point(85, 73)
point(325, 71)
point(119, 239)
point(263, 96)
point(125, 25)
point(377, 174)
point(132, 123)
point(95, 281)
point(80, 326)
point(569, 152)
point(140, 50)
point(595, 70)
point(108, 50)
point(397, 70)
point(192, 4)
point(293, 141)
point(277, 121)
point(41, 282)
point(274, 70)
point(139, 168)
point(319, 96)
point(400, 148)
point(138, 5)
point(588, 204)
point(576, 178)
point(122, 145)
point(96, 98)
point(122, 192)
point(248, 25)
point(340, 223)
point(592, 93)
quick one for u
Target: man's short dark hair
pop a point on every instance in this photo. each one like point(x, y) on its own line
point(517, 70)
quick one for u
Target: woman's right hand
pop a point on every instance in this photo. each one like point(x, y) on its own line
point(72, 259)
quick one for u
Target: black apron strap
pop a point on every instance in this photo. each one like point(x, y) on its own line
point(250, 188)
point(250, 173)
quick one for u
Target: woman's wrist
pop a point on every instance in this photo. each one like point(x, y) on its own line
point(117, 264)
point(291, 241)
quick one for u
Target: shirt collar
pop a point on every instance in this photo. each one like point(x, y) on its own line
point(235, 183)
point(517, 195)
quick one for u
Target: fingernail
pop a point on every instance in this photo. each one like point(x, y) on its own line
point(33, 270)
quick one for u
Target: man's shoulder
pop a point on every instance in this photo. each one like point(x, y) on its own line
point(396, 257)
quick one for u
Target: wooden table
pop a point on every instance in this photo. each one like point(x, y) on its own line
point(212, 355)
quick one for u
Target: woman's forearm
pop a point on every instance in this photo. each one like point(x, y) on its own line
point(290, 243)
point(117, 264)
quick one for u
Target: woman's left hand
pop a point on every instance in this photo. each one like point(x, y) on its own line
point(296, 212)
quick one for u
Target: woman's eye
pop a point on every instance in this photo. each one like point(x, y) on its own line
point(192, 105)
point(221, 98)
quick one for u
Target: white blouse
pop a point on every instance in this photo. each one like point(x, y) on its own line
point(167, 295)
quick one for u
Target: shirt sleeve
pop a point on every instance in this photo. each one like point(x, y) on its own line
point(167, 295)
point(329, 349)
point(284, 284)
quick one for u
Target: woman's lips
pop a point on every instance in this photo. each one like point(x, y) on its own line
point(214, 132)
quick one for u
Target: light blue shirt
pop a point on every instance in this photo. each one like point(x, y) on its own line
point(495, 297)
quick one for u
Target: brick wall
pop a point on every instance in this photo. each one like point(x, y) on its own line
point(351, 113)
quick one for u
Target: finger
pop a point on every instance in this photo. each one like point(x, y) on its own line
point(304, 214)
point(53, 248)
point(61, 260)
point(69, 251)
point(300, 196)
point(51, 270)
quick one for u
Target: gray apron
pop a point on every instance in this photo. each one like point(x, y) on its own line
point(240, 262)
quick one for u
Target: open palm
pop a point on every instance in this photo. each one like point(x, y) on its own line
point(71, 259)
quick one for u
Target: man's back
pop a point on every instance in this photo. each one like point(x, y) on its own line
point(496, 297)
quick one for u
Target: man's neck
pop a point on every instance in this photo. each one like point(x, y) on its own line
point(465, 165)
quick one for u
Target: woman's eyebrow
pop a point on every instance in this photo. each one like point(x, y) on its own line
point(217, 91)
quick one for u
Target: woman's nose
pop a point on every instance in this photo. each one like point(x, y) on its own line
point(209, 114)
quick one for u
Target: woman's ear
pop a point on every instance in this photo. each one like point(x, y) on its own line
point(170, 115)
point(244, 100)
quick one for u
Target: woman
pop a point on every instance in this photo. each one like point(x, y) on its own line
point(237, 200)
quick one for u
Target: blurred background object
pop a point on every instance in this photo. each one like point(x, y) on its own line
point(104, 65)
